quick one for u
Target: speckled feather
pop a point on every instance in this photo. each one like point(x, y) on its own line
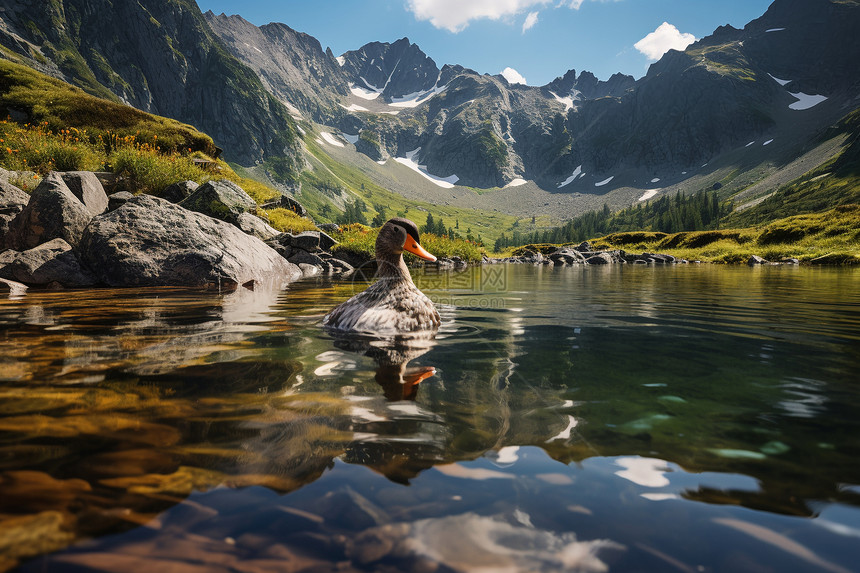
point(393, 304)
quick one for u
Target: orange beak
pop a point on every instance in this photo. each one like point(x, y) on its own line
point(413, 247)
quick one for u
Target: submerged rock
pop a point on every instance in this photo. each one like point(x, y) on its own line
point(152, 242)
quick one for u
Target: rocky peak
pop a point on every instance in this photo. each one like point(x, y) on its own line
point(396, 70)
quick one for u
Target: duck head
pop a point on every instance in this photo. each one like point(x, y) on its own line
point(398, 235)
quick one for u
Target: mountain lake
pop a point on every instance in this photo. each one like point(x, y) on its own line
point(687, 418)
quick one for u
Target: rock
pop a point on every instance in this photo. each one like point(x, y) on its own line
point(53, 211)
point(12, 287)
point(309, 270)
point(152, 242)
point(117, 200)
point(88, 189)
point(757, 260)
point(177, 192)
point(599, 259)
point(532, 257)
point(221, 199)
point(306, 241)
point(303, 257)
point(329, 227)
point(12, 202)
point(51, 262)
point(255, 226)
point(584, 247)
point(566, 256)
point(287, 202)
point(790, 262)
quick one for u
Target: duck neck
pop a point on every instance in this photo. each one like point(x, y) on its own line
point(391, 266)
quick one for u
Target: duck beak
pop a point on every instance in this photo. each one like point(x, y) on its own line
point(413, 247)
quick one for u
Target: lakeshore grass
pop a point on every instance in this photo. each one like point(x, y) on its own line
point(361, 239)
point(831, 237)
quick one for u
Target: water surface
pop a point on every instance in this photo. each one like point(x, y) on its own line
point(685, 418)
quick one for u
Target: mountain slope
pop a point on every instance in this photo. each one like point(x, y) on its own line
point(786, 76)
point(157, 55)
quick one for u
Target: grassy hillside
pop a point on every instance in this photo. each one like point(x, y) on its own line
point(834, 183)
point(58, 105)
point(831, 237)
point(329, 186)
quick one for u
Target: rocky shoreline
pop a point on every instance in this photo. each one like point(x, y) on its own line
point(69, 233)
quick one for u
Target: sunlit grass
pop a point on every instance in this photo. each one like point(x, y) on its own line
point(361, 239)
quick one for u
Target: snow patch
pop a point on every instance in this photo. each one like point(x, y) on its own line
point(410, 162)
point(576, 173)
point(768, 142)
point(390, 112)
point(806, 101)
point(382, 162)
point(779, 81)
point(516, 182)
point(354, 107)
point(417, 98)
point(648, 194)
point(750, 143)
point(368, 93)
point(655, 180)
point(604, 182)
point(774, 30)
point(353, 139)
point(567, 102)
point(341, 60)
point(330, 139)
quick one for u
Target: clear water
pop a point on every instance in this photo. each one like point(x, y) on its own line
point(689, 418)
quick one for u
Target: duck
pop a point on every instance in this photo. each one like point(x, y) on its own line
point(393, 305)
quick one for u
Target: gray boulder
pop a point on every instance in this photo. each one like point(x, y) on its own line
point(152, 242)
point(88, 189)
point(13, 288)
point(287, 202)
point(177, 192)
point(52, 212)
point(757, 260)
point(220, 199)
point(117, 200)
point(12, 202)
point(49, 264)
point(255, 226)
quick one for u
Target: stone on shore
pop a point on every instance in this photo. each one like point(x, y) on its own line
point(13, 288)
point(221, 199)
point(12, 202)
point(52, 212)
point(152, 242)
point(255, 226)
point(49, 264)
point(179, 191)
point(88, 189)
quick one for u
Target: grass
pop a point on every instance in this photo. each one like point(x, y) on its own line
point(829, 237)
point(329, 183)
point(287, 221)
point(361, 239)
point(59, 106)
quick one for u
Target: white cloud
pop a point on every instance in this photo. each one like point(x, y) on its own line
point(666, 37)
point(513, 76)
point(531, 20)
point(455, 15)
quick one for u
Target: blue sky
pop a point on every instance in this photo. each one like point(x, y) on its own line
point(539, 39)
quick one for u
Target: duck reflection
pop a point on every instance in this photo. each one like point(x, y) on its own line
point(392, 355)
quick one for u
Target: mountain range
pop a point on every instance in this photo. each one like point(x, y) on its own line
point(732, 109)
